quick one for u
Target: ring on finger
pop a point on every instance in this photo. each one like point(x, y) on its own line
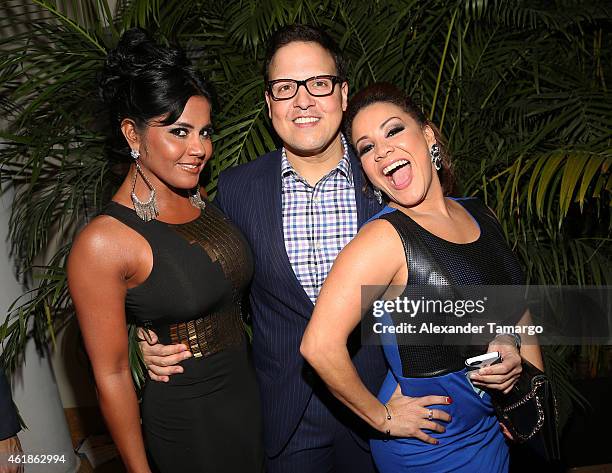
point(429, 414)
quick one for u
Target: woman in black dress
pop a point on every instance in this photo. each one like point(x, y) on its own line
point(163, 256)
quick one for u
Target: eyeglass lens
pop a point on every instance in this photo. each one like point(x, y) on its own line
point(316, 86)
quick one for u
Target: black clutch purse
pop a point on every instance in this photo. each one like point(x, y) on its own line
point(529, 412)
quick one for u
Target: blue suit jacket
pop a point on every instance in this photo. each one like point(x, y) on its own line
point(9, 424)
point(250, 195)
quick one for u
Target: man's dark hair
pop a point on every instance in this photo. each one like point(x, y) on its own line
point(307, 34)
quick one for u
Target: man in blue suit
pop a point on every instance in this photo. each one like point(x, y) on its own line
point(298, 207)
point(9, 426)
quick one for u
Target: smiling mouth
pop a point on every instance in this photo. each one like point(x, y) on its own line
point(391, 168)
point(304, 120)
point(191, 167)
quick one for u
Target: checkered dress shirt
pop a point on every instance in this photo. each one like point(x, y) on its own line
point(317, 221)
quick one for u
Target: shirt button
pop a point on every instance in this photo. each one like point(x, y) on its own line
point(316, 200)
point(317, 245)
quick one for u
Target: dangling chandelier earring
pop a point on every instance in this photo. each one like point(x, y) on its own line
point(196, 199)
point(378, 195)
point(434, 153)
point(145, 210)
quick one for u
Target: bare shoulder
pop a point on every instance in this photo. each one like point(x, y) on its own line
point(381, 229)
point(377, 244)
point(104, 242)
point(376, 237)
point(102, 232)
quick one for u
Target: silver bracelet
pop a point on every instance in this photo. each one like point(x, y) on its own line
point(515, 336)
point(388, 431)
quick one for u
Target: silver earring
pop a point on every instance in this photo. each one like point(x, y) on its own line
point(145, 210)
point(196, 199)
point(378, 195)
point(434, 153)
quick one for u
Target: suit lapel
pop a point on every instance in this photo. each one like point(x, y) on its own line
point(271, 193)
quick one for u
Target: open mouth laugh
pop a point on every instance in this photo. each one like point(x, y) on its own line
point(399, 173)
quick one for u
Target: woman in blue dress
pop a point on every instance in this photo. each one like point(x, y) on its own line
point(432, 416)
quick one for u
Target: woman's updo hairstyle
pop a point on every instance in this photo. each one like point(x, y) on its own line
point(388, 93)
point(142, 80)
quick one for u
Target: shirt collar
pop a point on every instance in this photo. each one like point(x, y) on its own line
point(343, 167)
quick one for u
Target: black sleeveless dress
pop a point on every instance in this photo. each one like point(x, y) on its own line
point(206, 419)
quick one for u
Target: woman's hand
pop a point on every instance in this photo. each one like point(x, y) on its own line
point(504, 375)
point(410, 416)
point(8, 447)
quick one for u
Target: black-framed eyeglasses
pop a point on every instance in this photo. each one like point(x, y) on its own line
point(317, 86)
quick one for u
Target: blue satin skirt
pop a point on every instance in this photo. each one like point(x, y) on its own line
point(473, 441)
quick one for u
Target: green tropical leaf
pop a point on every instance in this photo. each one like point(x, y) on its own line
point(519, 88)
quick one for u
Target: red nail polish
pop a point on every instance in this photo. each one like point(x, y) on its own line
point(449, 400)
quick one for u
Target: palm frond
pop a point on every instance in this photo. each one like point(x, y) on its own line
point(518, 87)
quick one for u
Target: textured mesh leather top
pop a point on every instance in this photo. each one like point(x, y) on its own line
point(208, 417)
point(436, 262)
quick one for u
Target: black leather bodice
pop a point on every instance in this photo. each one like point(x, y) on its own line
point(445, 265)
